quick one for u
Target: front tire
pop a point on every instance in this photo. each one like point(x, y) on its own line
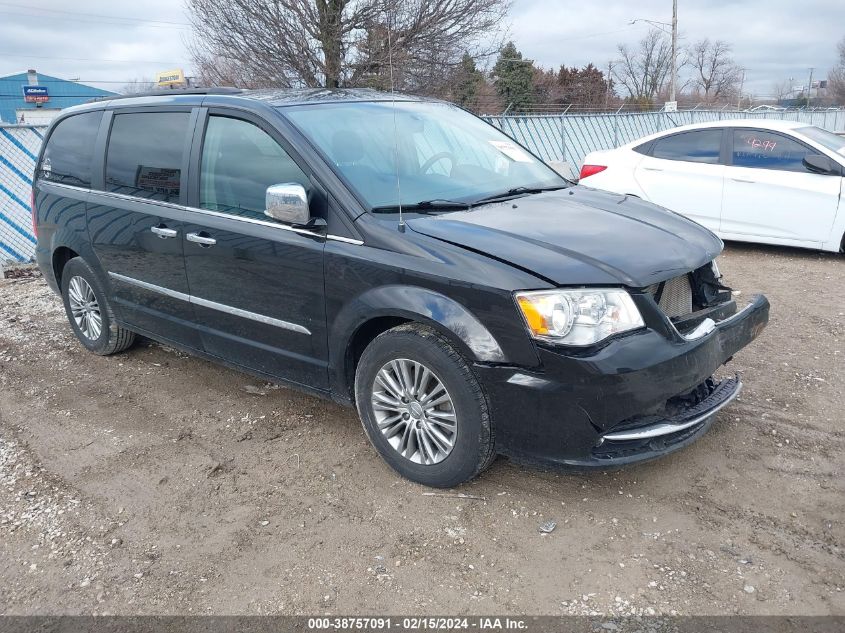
point(423, 408)
point(89, 311)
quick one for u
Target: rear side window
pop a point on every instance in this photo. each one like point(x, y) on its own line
point(70, 150)
point(239, 162)
point(700, 146)
point(645, 148)
point(767, 150)
point(144, 156)
point(833, 142)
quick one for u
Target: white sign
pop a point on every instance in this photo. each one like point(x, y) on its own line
point(512, 151)
point(670, 106)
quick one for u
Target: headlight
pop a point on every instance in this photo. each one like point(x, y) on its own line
point(578, 317)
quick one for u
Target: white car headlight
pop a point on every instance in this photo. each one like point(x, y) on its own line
point(578, 317)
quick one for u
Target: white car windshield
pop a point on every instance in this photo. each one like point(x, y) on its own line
point(826, 139)
point(432, 153)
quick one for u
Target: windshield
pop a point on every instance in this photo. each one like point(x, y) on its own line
point(826, 139)
point(444, 154)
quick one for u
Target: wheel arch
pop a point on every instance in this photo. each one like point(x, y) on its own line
point(380, 309)
point(61, 256)
point(65, 244)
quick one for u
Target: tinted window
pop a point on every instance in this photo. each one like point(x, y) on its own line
point(144, 158)
point(702, 146)
point(70, 150)
point(645, 148)
point(239, 162)
point(766, 150)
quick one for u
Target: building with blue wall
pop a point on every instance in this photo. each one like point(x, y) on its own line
point(52, 93)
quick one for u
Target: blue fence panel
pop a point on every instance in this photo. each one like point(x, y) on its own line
point(19, 147)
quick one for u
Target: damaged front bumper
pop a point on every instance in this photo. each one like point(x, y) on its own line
point(647, 437)
point(637, 398)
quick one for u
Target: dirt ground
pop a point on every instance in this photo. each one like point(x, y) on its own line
point(155, 483)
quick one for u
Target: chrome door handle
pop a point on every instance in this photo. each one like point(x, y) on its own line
point(201, 239)
point(750, 182)
point(163, 232)
point(652, 168)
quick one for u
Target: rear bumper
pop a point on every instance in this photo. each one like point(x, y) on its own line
point(635, 399)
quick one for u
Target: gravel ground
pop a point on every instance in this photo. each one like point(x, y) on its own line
point(155, 483)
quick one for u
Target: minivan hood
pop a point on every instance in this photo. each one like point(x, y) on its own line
point(580, 236)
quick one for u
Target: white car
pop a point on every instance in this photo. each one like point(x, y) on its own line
point(775, 182)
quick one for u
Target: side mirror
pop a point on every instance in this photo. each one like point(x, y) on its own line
point(287, 203)
point(820, 164)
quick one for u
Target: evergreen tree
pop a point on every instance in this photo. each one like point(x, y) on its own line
point(512, 77)
point(466, 83)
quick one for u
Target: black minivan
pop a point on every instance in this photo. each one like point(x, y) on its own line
point(397, 254)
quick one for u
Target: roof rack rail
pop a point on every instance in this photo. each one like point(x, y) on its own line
point(161, 92)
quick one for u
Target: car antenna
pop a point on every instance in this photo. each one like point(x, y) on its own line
point(393, 107)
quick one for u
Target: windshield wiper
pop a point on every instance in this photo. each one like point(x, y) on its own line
point(518, 191)
point(424, 206)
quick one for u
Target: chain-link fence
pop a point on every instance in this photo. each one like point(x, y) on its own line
point(562, 138)
point(19, 146)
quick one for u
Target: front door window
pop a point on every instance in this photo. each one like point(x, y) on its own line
point(239, 162)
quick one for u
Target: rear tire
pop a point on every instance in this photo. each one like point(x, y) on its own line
point(89, 311)
point(423, 408)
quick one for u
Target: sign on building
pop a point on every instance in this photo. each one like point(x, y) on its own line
point(35, 94)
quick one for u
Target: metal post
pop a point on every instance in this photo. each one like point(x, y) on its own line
point(674, 48)
point(562, 138)
point(809, 87)
point(616, 129)
point(741, 83)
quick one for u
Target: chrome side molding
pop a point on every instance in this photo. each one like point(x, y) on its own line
point(175, 294)
point(221, 307)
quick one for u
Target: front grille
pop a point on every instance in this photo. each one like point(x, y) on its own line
point(673, 296)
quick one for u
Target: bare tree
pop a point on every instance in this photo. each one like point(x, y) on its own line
point(332, 43)
point(836, 78)
point(136, 86)
point(714, 72)
point(643, 71)
point(781, 90)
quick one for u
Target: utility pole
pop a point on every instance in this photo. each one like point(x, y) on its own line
point(809, 86)
point(674, 50)
point(609, 80)
point(673, 84)
point(741, 83)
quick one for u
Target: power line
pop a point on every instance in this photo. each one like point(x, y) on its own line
point(589, 35)
point(90, 59)
point(76, 14)
point(91, 21)
point(102, 81)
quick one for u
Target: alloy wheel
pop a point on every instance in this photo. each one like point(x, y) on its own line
point(85, 308)
point(414, 411)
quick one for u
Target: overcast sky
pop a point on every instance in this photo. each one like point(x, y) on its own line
point(102, 41)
